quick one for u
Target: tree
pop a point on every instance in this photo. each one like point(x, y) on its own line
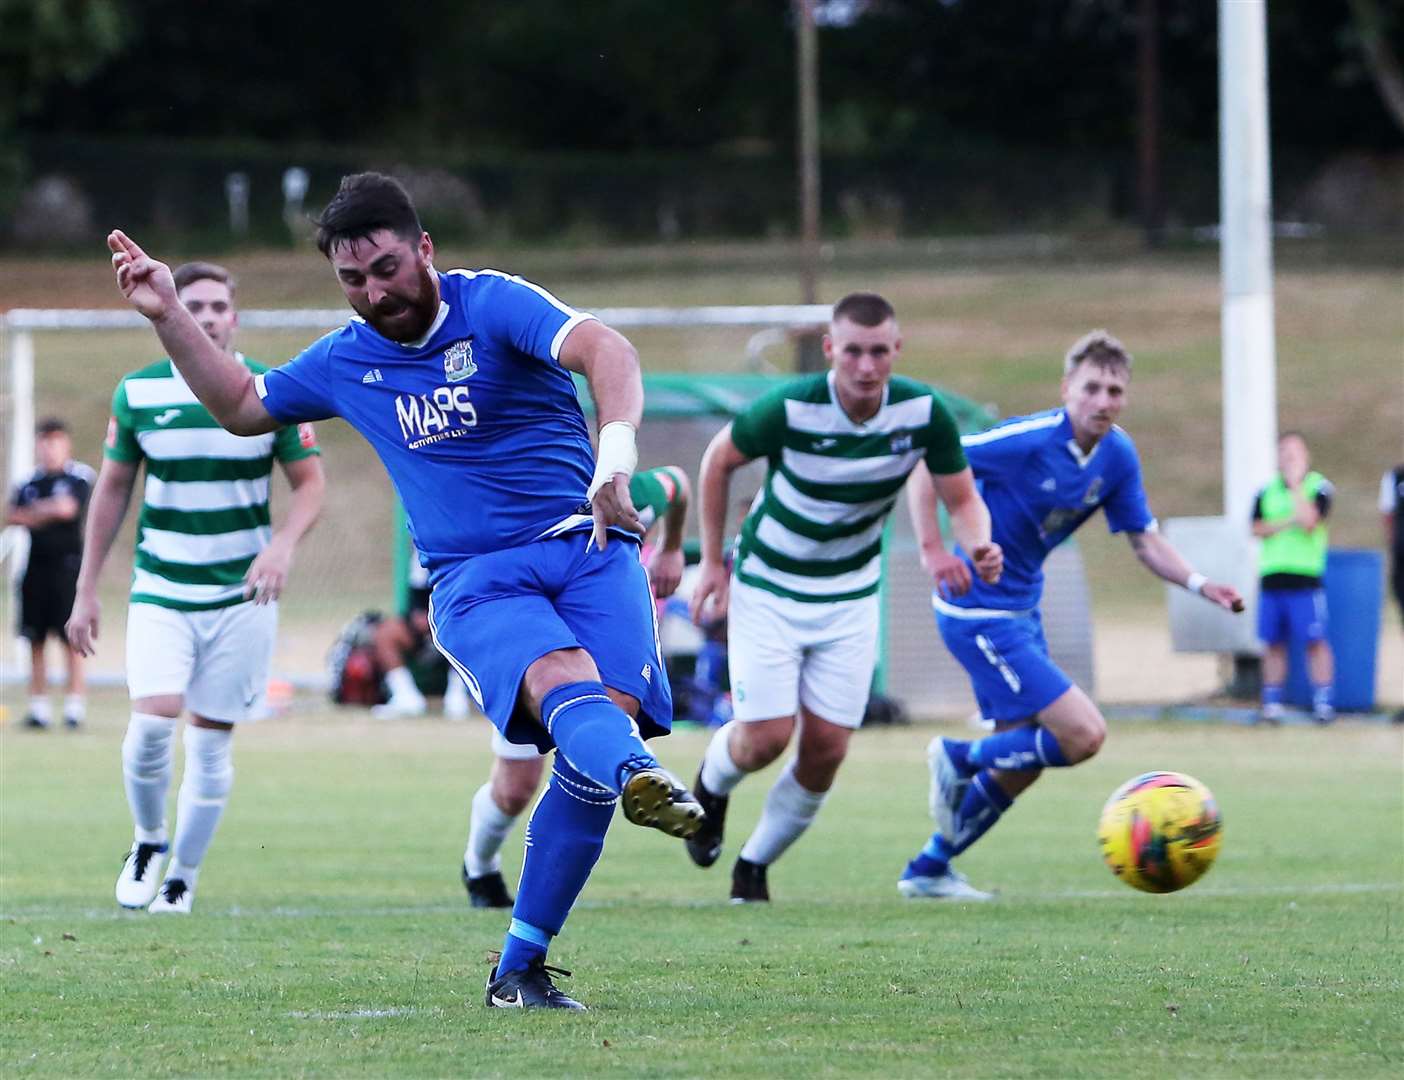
point(49, 43)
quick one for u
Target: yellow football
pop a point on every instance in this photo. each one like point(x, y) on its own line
point(1160, 831)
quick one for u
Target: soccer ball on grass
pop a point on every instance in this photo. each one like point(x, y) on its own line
point(1160, 831)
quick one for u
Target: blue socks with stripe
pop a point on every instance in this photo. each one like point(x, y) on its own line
point(564, 840)
point(594, 734)
point(597, 746)
point(982, 806)
point(1029, 746)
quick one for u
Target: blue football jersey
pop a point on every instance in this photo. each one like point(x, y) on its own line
point(477, 423)
point(1040, 488)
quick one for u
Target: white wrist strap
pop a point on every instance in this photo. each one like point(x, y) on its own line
point(617, 454)
point(1196, 582)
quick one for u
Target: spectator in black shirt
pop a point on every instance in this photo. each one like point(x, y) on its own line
point(50, 505)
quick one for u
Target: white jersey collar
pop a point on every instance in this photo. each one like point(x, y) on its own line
point(439, 319)
point(834, 397)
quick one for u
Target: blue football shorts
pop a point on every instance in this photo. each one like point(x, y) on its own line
point(493, 615)
point(1286, 615)
point(1008, 663)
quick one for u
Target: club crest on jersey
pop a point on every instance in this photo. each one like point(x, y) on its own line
point(458, 361)
point(901, 443)
point(1094, 492)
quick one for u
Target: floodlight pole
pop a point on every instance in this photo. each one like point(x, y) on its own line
point(809, 356)
point(1245, 257)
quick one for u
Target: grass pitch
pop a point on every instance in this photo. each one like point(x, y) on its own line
point(331, 936)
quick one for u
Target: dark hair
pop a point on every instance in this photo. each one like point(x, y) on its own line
point(191, 272)
point(365, 203)
point(864, 308)
point(1098, 348)
point(50, 425)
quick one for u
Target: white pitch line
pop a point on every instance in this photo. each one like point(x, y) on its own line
point(364, 1014)
point(1342, 888)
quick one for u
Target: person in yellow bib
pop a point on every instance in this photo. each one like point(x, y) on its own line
point(1289, 516)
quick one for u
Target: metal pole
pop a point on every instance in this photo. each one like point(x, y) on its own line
point(1249, 353)
point(1148, 129)
point(809, 352)
point(807, 92)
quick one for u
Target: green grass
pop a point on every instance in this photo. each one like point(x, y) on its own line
point(331, 936)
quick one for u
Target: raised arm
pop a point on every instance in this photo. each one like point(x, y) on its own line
point(223, 385)
point(611, 367)
point(721, 459)
point(106, 509)
point(1159, 556)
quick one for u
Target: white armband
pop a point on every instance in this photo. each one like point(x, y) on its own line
point(1196, 582)
point(617, 454)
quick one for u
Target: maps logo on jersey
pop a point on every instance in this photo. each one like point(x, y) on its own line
point(458, 361)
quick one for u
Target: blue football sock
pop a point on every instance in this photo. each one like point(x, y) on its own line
point(524, 944)
point(958, 750)
point(594, 734)
point(982, 806)
point(563, 842)
point(1029, 746)
point(1272, 695)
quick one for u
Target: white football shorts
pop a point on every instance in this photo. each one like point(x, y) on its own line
point(217, 659)
point(784, 653)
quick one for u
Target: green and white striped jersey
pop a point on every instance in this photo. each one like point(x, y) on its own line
point(204, 511)
point(653, 492)
point(814, 532)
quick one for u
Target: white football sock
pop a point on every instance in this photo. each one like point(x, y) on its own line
point(75, 707)
point(39, 707)
point(209, 774)
point(146, 773)
point(487, 829)
point(789, 809)
point(719, 772)
point(402, 687)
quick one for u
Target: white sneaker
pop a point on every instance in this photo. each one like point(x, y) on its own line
point(399, 707)
point(948, 786)
point(952, 885)
point(141, 874)
point(174, 898)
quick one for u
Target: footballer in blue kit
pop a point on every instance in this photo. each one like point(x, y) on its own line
point(461, 382)
point(1042, 476)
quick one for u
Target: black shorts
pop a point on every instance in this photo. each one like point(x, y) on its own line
point(46, 600)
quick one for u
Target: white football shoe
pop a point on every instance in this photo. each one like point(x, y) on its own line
point(400, 707)
point(141, 874)
point(952, 885)
point(948, 786)
point(174, 898)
